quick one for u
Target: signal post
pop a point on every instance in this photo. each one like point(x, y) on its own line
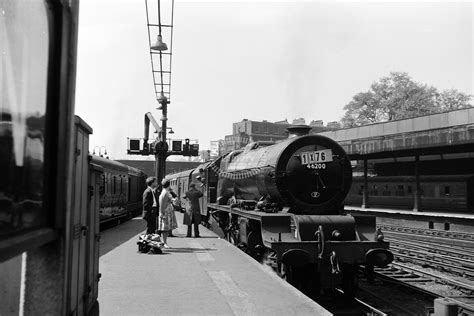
point(160, 147)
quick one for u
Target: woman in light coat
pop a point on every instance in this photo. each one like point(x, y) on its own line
point(166, 212)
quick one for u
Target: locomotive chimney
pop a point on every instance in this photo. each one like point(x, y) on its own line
point(298, 130)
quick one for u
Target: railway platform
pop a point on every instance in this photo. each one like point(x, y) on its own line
point(426, 219)
point(424, 213)
point(196, 276)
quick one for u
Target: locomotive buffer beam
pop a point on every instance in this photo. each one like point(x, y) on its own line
point(278, 235)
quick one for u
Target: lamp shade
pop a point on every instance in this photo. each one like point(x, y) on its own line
point(159, 45)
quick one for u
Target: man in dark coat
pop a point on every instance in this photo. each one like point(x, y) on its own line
point(150, 205)
point(193, 210)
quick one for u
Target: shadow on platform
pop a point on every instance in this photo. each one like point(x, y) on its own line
point(115, 236)
point(188, 250)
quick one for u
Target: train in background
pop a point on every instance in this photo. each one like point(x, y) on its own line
point(205, 181)
point(283, 204)
point(446, 193)
point(121, 189)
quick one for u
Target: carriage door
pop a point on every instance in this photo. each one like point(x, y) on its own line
point(91, 286)
point(79, 227)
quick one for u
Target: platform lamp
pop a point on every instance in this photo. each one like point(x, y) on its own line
point(159, 45)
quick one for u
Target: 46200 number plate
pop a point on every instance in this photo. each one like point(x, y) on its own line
point(313, 157)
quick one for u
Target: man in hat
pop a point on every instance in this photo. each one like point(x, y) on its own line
point(150, 205)
point(193, 210)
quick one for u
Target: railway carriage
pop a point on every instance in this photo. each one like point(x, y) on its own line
point(447, 193)
point(205, 179)
point(121, 189)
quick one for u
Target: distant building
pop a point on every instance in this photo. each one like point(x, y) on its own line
point(299, 121)
point(205, 155)
point(261, 131)
point(248, 131)
point(318, 123)
point(334, 125)
point(285, 121)
point(234, 142)
point(215, 148)
point(221, 147)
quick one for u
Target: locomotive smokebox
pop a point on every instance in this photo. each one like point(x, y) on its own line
point(298, 130)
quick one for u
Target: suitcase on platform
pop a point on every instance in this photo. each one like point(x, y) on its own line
point(150, 243)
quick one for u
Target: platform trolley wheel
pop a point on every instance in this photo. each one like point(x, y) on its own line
point(349, 279)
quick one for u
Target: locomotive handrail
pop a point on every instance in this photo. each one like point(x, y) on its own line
point(320, 235)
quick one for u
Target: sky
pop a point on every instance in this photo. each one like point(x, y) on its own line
point(259, 60)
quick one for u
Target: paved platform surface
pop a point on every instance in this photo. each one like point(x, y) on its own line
point(197, 276)
point(427, 213)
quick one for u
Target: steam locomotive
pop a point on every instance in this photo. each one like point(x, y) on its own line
point(282, 204)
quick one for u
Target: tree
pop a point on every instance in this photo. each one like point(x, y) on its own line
point(452, 99)
point(397, 96)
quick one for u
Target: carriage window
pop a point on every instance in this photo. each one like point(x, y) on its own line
point(114, 181)
point(446, 226)
point(430, 225)
point(409, 191)
point(102, 185)
point(400, 191)
point(374, 190)
point(447, 190)
point(24, 38)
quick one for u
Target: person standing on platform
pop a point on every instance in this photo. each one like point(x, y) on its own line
point(166, 212)
point(193, 210)
point(176, 206)
point(150, 205)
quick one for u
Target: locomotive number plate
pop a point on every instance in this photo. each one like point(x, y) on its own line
point(319, 156)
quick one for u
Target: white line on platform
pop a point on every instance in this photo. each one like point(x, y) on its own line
point(201, 256)
point(237, 299)
point(195, 244)
point(204, 256)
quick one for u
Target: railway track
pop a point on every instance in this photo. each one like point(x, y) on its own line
point(440, 237)
point(453, 256)
point(340, 305)
point(433, 262)
point(446, 263)
point(430, 284)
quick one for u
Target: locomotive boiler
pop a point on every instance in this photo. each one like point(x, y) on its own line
point(283, 204)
